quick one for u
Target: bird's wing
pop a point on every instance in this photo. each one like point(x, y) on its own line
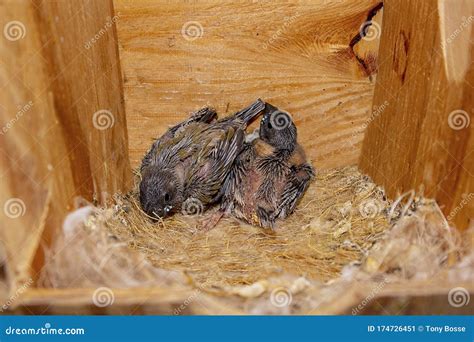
point(203, 115)
point(298, 181)
point(230, 191)
point(272, 168)
point(210, 168)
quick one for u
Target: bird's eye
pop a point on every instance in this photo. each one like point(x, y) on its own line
point(269, 125)
point(167, 197)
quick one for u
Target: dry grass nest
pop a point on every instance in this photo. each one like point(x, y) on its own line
point(340, 217)
point(343, 226)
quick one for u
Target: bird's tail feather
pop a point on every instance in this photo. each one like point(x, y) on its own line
point(250, 112)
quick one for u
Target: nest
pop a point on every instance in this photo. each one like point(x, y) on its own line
point(343, 231)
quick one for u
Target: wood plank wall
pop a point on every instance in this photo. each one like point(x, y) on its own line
point(52, 146)
point(180, 55)
point(421, 137)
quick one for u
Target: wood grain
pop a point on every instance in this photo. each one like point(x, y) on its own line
point(423, 140)
point(136, 301)
point(411, 298)
point(87, 83)
point(50, 151)
point(295, 55)
point(36, 177)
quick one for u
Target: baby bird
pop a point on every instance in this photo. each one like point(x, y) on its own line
point(270, 175)
point(184, 169)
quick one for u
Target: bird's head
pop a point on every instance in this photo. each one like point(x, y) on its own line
point(277, 128)
point(160, 192)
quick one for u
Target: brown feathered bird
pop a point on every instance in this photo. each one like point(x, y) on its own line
point(270, 175)
point(184, 169)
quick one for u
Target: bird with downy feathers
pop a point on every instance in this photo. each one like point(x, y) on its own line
point(270, 175)
point(185, 169)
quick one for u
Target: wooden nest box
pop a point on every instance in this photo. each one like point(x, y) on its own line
point(86, 86)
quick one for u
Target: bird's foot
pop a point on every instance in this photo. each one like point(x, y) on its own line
point(266, 218)
point(209, 222)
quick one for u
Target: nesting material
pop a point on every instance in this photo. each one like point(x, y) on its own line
point(87, 255)
point(345, 243)
point(417, 246)
point(419, 251)
point(341, 215)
